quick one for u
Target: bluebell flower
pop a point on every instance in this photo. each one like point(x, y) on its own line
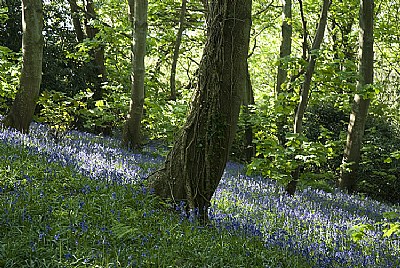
point(312, 223)
point(67, 256)
point(56, 236)
point(41, 236)
point(48, 228)
point(32, 246)
point(83, 226)
point(86, 189)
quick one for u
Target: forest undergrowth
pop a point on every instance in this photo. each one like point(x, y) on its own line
point(82, 201)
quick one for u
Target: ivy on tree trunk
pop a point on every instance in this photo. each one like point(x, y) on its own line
point(194, 166)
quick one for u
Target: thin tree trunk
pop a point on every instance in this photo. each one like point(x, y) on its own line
point(76, 21)
point(305, 89)
point(348, 48)
point(342, 26)
point(98, 52)
point(205, 5)
point(197, 160)
point(248, 132)
point(131, 14)
point(355, 132)
point(305, 47)
point(23, 108)
point(132, 129)
point(182, 22)
point(206, 8)
point(285, 51)
point(90, 14)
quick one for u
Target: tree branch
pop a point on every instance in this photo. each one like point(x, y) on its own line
point(92, 16)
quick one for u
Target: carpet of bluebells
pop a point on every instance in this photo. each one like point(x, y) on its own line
point(311, 228)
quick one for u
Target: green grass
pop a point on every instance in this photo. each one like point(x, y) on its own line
point(52, 216)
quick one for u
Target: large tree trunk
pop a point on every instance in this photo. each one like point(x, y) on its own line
point(355, 133)
point(305, 89)
point(197, 160)
point(172, 80)
point(23, 108)
point(285, 51)
point(132, 134)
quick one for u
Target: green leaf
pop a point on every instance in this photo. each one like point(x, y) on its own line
point(88, 93)
point(396, 154)
point(99, 103)
point(123, 231)
point(391, 215)
point(388, 160)
point(358, 231)
point(394, 229)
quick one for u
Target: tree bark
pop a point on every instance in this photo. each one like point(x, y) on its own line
point(305, 47)
point(305, 89)
point(132, 129)
point(90, 14)
point(76, 21)
point(182, 21)
point(355, 132)
point(23, 108)
point(248, 100)
point(285, 51)
point(131, 14)
point(98, 53)
point(342, 26)
point(195, 164)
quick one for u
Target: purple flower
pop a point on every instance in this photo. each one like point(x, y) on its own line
point(56, 236)
point(41, 236)
point(83, 226)
point(67, 256)
point(33, 246)
point(312, 223)
point(86, 189)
